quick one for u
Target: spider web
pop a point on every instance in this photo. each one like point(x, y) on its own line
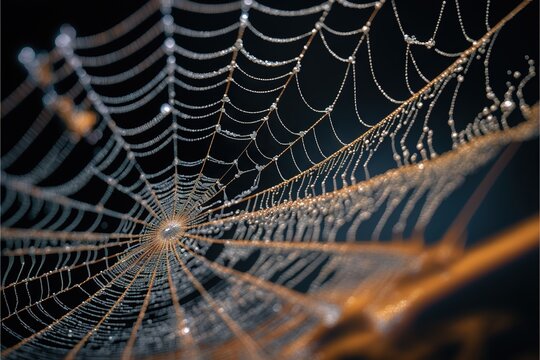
point(179, 188)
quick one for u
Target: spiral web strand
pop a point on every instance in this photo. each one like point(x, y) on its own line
point(148, 222)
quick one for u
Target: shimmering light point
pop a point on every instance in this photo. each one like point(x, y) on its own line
point(166, 109)
point(171, 231)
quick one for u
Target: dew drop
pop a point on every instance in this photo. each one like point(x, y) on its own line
point(507, 105)
point(166, 109)
point(171, 231)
